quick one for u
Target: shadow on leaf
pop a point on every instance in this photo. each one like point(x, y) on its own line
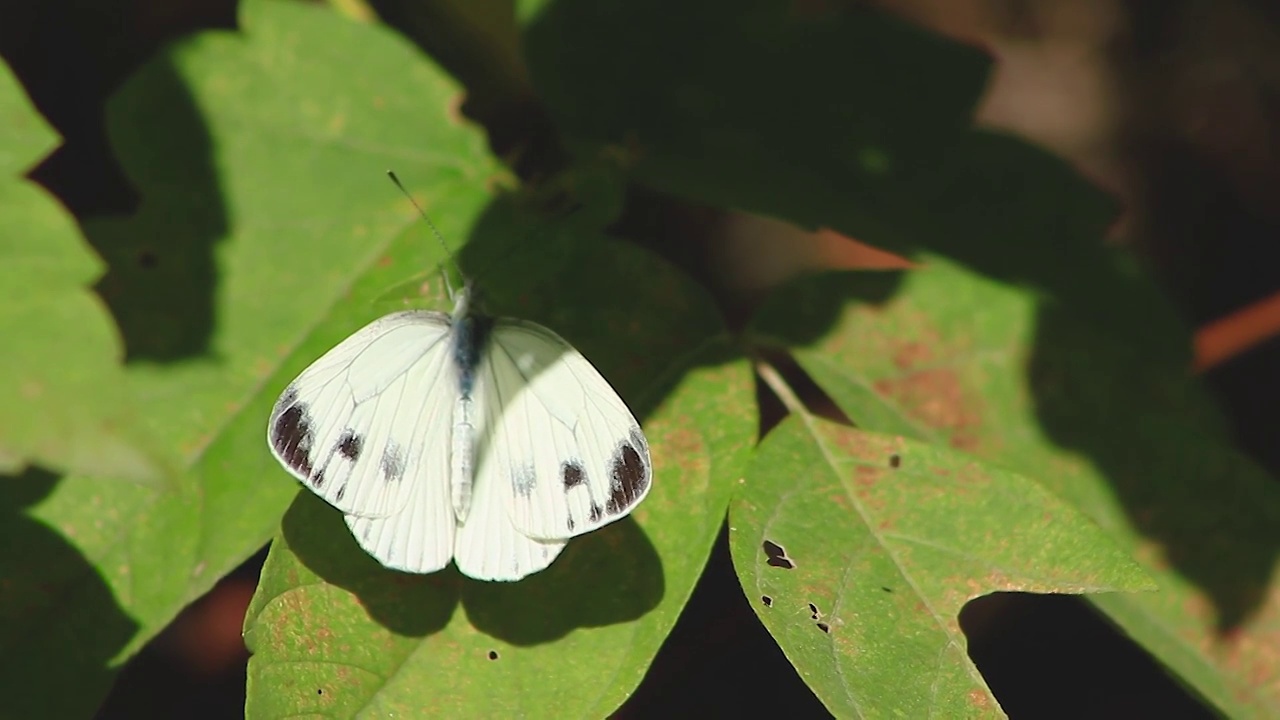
point(161, 277)
point(1210, 509)
point(406, 604)
point(610, 576)
point(57, 612)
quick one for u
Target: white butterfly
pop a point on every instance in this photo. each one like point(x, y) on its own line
point(490, 441)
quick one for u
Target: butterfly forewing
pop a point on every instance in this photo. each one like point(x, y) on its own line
point(563, 446)
point(347, 425)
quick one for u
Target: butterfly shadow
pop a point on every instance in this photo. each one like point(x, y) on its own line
point(610, 576)
point(405, 603)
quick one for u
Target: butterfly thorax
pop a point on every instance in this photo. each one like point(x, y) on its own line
point(470, 336)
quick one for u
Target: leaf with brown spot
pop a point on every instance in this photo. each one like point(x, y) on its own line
point(1096, 403)
point(901, 653)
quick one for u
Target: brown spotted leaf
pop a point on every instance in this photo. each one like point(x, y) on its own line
point(866, 546)
point(1099, 408)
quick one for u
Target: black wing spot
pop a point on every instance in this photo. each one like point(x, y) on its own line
point(392, 463)
point(342, 491)
point(777, 557)
point(628, 479)
point(493, 654)
point(594, 513)
point(317, 480)
point(768, 601)
point(895, 461)
point(350, 444)
point(824, 628)
point(292, 436)
point(571, 524)
point(572, 474)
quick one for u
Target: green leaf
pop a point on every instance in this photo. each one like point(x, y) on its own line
point(61, 401)
point(1107, 422)
point(260, 157)
point(858, 550)
point(724, 104)
point(334, 633)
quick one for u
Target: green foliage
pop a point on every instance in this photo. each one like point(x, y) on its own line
point(65, 369)
point(1024, 420)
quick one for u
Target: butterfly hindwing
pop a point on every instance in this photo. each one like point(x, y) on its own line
point(420, 536)
point(562, 446)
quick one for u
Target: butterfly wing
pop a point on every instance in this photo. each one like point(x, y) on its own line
point(366, 427)
point(489, 547)
point(560, 444)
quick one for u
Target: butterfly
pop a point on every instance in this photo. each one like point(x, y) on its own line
point(487, 441)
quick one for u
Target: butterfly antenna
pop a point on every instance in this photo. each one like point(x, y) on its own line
point(447, 284)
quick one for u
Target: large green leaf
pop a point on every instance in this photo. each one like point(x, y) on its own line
point(858, 550)
point(259, 157)
point(61, 401)
point(334, 633)
point(960, 360)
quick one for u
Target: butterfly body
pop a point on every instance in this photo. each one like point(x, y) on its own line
point(469, 336)
point(488, 441)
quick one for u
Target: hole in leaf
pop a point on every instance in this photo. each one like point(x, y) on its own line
point(493, 654)
point(768, 601)
point(813, 610)
point(895, 461)
point(824, 628)
point(777, 557)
